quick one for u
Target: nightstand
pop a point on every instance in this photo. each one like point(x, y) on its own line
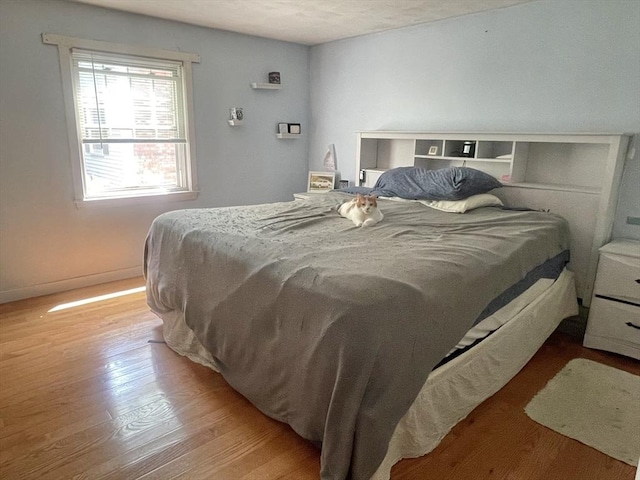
point(614, 316)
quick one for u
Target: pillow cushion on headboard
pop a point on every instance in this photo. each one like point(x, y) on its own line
point(461, 206)
point(416, 183)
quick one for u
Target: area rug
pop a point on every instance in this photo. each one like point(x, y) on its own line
point(595, 404)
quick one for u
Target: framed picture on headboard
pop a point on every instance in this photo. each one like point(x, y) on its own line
point(320, 182)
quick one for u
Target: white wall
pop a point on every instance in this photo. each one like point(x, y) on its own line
point(545, 66)
point(46, 243)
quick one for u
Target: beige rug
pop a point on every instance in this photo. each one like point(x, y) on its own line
point(594, 404)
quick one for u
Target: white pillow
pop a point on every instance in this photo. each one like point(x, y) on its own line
point(461, 206)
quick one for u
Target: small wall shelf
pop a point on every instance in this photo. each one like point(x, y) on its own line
point(288, 135)
point(235, 123)
point(266, 86)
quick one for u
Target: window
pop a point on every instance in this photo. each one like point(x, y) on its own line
point(129, 118)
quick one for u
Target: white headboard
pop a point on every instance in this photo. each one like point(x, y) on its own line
point(574, 175)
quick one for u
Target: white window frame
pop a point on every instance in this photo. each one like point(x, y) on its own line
point(65, 45)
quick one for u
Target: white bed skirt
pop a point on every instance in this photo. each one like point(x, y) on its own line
point(452, 391)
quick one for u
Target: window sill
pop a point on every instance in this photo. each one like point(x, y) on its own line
point(155, 198)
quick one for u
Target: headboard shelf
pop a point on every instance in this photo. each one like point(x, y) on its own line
point(468, 160)
point(575, 175)
point(557, 187)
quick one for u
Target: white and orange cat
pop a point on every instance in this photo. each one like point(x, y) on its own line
point(363, 210)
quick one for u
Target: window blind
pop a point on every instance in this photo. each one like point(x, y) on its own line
point(128, 99)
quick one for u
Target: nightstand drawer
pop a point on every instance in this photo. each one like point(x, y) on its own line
point(614, 326)
point(618, 277)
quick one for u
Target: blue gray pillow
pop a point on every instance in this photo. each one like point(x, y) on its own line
point(416, 183)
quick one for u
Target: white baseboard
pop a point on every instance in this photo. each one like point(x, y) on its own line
point(68, 284)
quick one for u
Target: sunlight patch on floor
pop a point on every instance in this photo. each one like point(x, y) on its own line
point(100, 298)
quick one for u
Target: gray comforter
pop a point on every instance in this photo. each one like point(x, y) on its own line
point(333, 328)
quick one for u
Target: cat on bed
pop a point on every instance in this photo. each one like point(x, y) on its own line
point(363, 210)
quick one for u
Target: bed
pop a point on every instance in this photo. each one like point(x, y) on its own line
point(337, 330)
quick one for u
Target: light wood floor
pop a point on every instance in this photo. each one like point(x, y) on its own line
point(84, 394)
